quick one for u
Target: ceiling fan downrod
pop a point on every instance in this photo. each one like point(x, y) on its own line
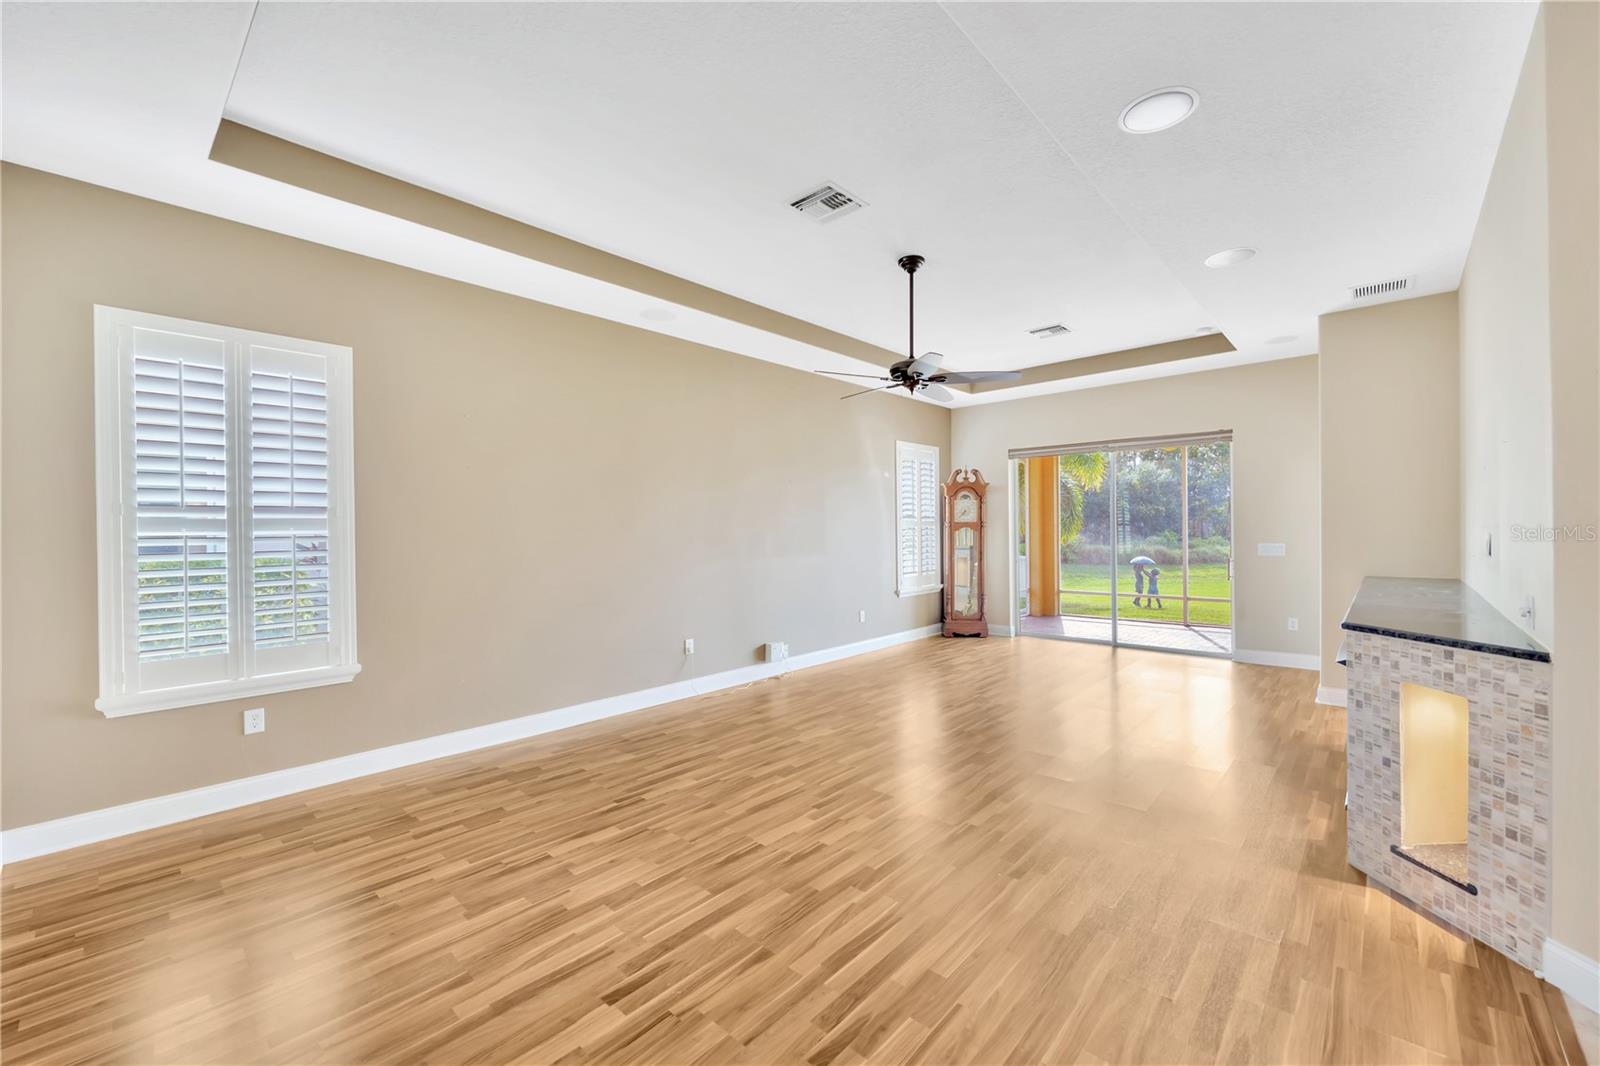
point(910, 263)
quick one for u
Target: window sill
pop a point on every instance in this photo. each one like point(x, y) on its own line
point(919, 591)
point(219, 691)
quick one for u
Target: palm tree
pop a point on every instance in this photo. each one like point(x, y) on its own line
point(1080, 472)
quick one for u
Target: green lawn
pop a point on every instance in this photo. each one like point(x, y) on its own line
point(1205, 579)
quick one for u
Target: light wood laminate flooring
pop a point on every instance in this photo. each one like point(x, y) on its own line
point(954, 851)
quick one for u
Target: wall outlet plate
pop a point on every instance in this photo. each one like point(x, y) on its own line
point(688, 645)
point(863, 617)
point(255, 720)
point(1294, 625)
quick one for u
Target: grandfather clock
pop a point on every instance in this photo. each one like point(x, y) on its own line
point(964, 595)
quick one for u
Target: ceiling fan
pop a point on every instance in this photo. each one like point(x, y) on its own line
point(922, 374)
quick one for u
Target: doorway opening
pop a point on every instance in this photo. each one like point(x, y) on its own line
point(1127, 542)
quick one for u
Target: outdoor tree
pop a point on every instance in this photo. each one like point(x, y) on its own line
point(1082, 473)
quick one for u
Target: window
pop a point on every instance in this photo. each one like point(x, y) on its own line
point(916, 526)
point(225, 506)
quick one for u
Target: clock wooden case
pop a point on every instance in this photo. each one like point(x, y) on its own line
point(965, 599)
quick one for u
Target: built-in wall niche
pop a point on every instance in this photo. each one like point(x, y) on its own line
point(1448, 749)
point(1433, 781)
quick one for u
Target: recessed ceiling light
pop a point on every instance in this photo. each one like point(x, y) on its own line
point(658, 314)
point(1206, 329)
point(1230, 257)
point(1285, 339)
point(1160, 110)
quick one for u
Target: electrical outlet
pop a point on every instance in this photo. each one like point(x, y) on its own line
point(688, 645)
point(863, 617)
point(1294, 625)
point(255, 720)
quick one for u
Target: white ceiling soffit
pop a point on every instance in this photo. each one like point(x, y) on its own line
point(677, 135)
point(1349, 142)
point(70, 108)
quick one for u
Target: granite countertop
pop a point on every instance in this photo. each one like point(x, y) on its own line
point(1437, 611)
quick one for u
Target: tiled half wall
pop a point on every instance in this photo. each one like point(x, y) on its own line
point(1508, 785)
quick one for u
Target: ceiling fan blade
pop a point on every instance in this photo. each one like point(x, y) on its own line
point(847, 374)
point(863, 392)
point(973, 377)
point(925, 364)
point(935, 391)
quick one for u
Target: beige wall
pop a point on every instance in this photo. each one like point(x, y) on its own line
point(1574, 135)
point(1530, 418)
point(547, 503)
point(1505, 368)
point(1391, 493)
point(1271, 409)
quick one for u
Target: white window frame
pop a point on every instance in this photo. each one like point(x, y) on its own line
point(243, 670)
point(909, 449)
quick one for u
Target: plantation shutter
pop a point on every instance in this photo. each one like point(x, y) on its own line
point(291, 608)
point(180, 610)
point(916, 517)
point(224, 511)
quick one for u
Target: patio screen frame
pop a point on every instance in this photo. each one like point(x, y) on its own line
point(1018, 518)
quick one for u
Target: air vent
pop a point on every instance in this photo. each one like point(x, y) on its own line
point(1379, 288)
point(827, 203)
point(1056, 330)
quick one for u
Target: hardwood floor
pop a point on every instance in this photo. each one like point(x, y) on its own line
point(953, 851)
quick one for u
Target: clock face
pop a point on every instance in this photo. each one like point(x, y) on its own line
point(966, 507)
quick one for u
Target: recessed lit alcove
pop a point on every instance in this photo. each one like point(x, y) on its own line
point(1433, 780)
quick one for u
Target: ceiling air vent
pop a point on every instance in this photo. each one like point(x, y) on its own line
point(1379, 288)
point(827, 203)
point(1056, 330)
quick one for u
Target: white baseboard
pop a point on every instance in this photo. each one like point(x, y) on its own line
point(1573, 972)
point(28, 841)
point(1297, 660)
point(1331, 697)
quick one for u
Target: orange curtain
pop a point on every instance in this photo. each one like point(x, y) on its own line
point(1044, 536)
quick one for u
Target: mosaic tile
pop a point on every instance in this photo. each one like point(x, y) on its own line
point(1508, 785)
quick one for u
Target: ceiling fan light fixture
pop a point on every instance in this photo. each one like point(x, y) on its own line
point(1159, 110)
point(1229, 257)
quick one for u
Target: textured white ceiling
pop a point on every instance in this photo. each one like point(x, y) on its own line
point(677, 135)
point(1349, 142)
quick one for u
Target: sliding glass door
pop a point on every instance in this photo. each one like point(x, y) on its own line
point(1064, 554)
point(1129, 544)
